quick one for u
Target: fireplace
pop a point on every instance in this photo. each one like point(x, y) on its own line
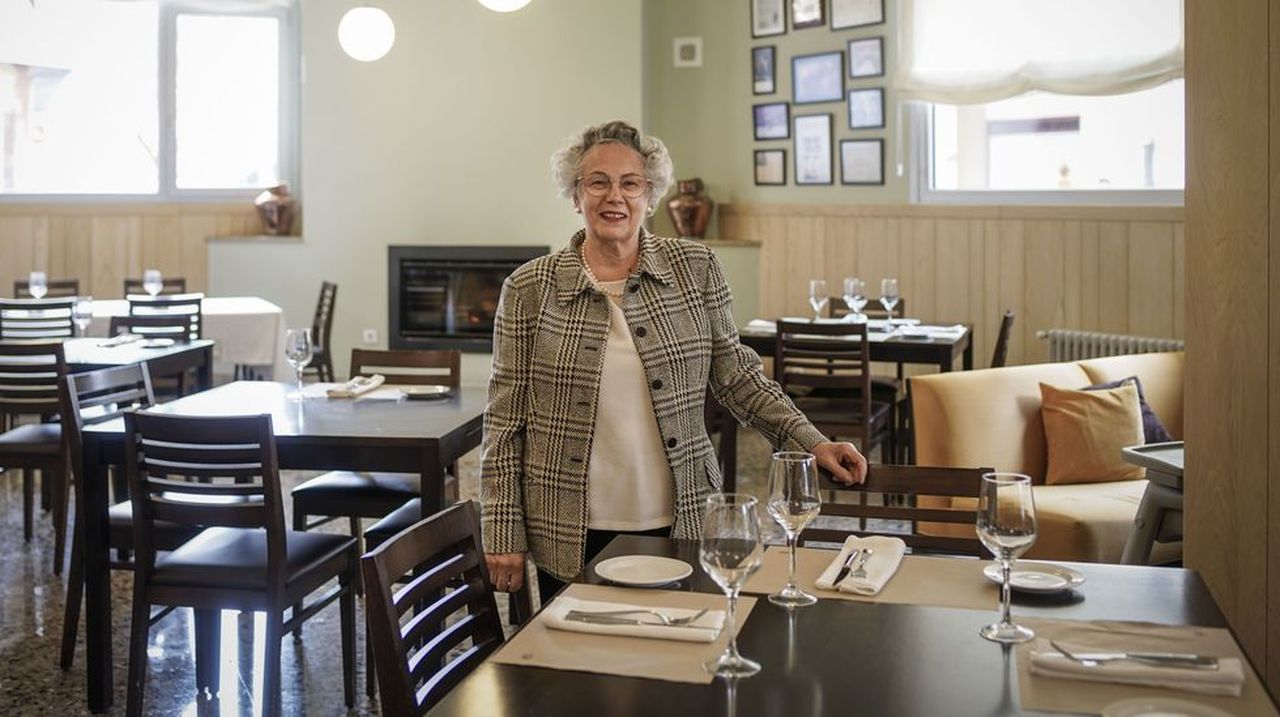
point(445, 297)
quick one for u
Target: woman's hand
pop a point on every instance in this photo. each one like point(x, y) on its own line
point(506, 570)
point(843, 460)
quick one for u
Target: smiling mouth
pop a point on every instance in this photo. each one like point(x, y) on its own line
point(613, 216)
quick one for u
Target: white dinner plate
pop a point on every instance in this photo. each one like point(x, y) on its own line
point(1160, 707)
point(643, 570)
point(1033, 577)
point(425, 392)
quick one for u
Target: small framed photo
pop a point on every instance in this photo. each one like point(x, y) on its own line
point(813, 149)
point(771, 167)
point(763, 70)
point(866, 57)
point(817, 78)
point(686, 52)
point(861, 161)
point(772, 120)
point(848, 14)
point(767, 18)
point(866, 108)
point(807, 13)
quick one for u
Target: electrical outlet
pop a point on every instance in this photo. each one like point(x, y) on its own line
point(370, 336)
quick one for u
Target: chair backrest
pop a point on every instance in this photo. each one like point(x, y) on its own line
point(720, 422)
point(178, 327)
point(837, 308)
point(322, 323)
point(232, 458)
point(176, 306)
point(36, 319)
point(30, 375)
point(913, 500)
point(99, 396)
point(410, 660)
point(1001, 353)
point(169, 284)
point(56, 289)
point(833, 357)
point(410, 367)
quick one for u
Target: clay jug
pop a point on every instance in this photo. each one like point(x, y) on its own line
point(690, 208)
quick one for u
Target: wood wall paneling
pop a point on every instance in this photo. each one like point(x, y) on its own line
point(1273, 376)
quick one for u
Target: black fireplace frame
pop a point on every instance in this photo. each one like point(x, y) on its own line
point(517, 255)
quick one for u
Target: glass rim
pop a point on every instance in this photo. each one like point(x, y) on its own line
point(732, 499)
point(1006, 477)
point(793, 456)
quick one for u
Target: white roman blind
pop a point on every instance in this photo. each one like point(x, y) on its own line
point(974, 51)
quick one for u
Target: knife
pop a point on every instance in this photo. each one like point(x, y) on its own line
point(615, 620)
point(848, 565)
point(1163, 658)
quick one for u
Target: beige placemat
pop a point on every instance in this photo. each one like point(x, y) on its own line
point(1053, 694)
point(940, 582)
point(539, 646)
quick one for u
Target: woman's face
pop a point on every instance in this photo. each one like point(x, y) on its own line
point(609, 172)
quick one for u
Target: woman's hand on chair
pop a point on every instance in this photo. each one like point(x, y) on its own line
point(843, 460)
point(506, 570)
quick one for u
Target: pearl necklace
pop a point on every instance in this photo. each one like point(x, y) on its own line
point(582, 252)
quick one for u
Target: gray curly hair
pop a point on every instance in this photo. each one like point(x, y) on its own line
point(566, 163)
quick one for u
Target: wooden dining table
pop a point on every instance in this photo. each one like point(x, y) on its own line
point(937, 350)
point(408, 436)
point(90, 354)
point(841, 656)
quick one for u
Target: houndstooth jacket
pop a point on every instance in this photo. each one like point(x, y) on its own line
point(548, 347)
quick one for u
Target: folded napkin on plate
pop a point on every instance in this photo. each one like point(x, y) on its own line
point(121, 340)
point(761, 325)
point(705, 629)
point(356, 386)
point(1228, 679)
point(886, 556)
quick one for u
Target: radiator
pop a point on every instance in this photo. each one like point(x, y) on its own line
point(1067, 345)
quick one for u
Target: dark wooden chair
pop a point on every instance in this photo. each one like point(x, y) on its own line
point(915, 505)
point(177, 327)
point(30, 375)
point(1001, 352)
point(55, 289)
point(244, 559)
point(826, 368)
point(837, 308)
point(886, 389)
point(321, 329)
point(724, 427)
point(413, 674)
point(170, 285)
point(36, 319)
point(171, 306)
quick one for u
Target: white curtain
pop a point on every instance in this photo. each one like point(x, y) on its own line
point(974, 51)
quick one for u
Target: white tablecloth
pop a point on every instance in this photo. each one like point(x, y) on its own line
point(246, 330)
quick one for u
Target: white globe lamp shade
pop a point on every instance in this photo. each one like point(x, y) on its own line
point(504, 5)
point(366, 33)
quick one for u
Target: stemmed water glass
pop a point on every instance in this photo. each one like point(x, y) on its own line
point(818, 297)
point(855, 297)
point(37, 284)
point(730, 552)
point(82, 313)
point(152, 281)
point(888, 299)
point(793, 503)
point(298, 351)
point(1007, 527)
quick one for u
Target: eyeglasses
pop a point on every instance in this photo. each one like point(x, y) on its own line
point(632, 186)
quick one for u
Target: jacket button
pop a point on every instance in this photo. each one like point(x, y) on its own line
point(671, 443)
point(633, 288)
point(641, 331)
point(657, 384)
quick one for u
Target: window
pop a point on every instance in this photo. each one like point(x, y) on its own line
point(168, 98)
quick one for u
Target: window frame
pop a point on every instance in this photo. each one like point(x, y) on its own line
point(285, 11)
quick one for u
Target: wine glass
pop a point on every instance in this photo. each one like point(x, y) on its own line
point(152, 282)
point(298, 351)
point(730, 552)
point(818, 297)
point(82, 313)
point(793, 503)
point(37, 284)
point(855, 297)
point(1007, 527)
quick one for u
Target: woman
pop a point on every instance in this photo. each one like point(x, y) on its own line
point(602, 353)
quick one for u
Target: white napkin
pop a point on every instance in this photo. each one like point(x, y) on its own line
point(356, 386)
point(886, 556)
point(714, 620)
point(121, 340)
point(761, 325)
point(1228, 679)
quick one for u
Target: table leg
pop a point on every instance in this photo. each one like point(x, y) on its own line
point(433, 471)
point(97, 578)
point(968, 353)
point(204, 376)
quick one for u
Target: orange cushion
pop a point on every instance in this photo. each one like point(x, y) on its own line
point(1085, 430)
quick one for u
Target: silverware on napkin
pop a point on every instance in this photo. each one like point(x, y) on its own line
point(1158, 659)
point(592, 619)
point(848, 565)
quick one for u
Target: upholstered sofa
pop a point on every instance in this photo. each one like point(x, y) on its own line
point(992, 418)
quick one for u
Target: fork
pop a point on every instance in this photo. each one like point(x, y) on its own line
point(666, 619)
point(860, 572)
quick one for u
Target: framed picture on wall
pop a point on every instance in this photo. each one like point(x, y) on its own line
point(861, 161)
point(772, 120)
point(866, 57)
point(763, 70)
point(771, 167)
point(817, 78)
point(807, 13)
point(866, 108)
point(847, 14)
point(767, 18)
point(813, 149)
